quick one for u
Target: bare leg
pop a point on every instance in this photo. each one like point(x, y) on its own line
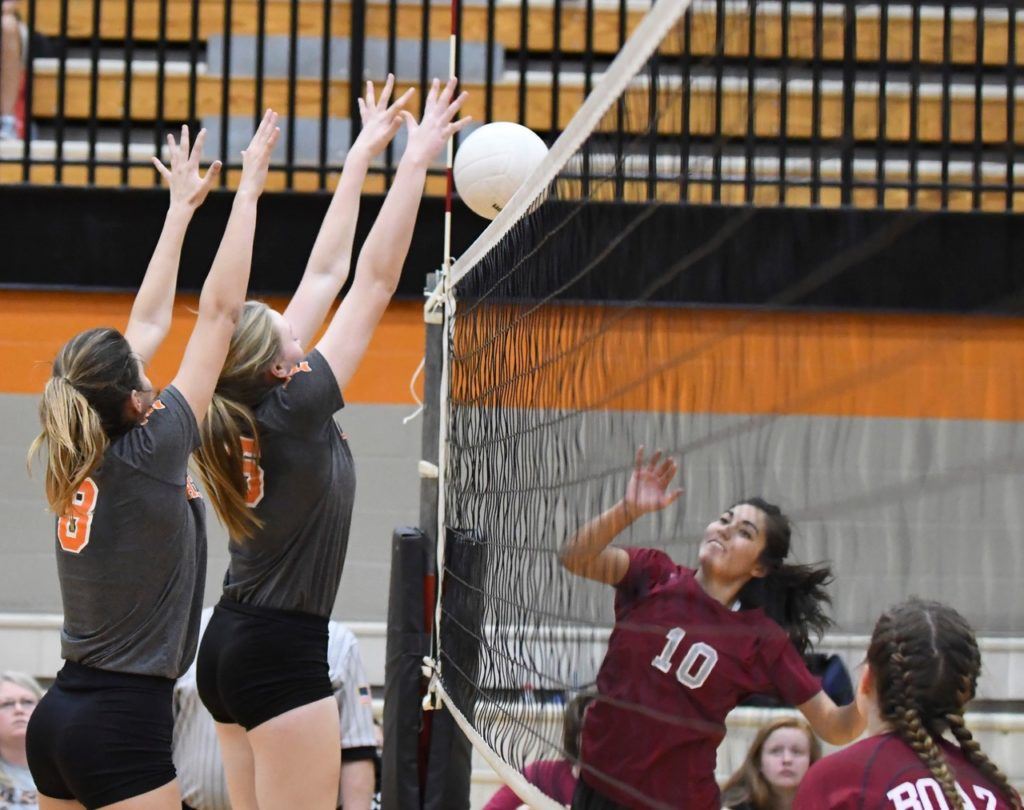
point(167, 797)
point(46, 803)
point(238, 766)
point(357, 784)
point(298, 758)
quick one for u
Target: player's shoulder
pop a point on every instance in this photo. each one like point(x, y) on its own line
point(836, 782)
point(853, 767)
point(656, 561)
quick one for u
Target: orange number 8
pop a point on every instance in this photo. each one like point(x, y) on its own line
point(252, 471)
point(73, 529)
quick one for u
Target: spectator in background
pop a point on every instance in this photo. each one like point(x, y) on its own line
point(12, 72)
point(777, 760)
point(19, 694)
point(554, 777)
point(197, 754)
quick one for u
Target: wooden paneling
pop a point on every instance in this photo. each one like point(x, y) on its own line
point(734, 121)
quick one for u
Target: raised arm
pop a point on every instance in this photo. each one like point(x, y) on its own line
point(380, 261)
point(220, 303)
point(836, 725)
point(588, 554)
point(150, 318)
point(328, 266)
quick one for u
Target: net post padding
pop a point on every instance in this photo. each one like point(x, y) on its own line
point(645, 39)
point(407, 643)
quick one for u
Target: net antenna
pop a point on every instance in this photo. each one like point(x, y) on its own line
point(441, 305)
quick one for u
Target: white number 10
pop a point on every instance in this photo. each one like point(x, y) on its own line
point(696, 665)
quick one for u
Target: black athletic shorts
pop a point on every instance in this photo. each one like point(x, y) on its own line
point(586, 798)
point(256, 663)
point(101, 737)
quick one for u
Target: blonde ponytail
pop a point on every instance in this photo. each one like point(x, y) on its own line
point(220, 464)
point(244, 381)
point(82, 408)
point(74, 438)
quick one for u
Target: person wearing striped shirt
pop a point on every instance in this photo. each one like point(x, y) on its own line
point(197, 754)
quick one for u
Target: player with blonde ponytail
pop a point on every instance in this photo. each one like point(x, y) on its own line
point(130, 526)
point(280, 474)
point(922, 669)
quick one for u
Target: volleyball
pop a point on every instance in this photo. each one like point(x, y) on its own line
point(492, 164)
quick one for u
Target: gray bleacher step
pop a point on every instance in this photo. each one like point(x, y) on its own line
point(309, 58)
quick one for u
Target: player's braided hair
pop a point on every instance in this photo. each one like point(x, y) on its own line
point(791, 594)
point(82, 408)
point(926, 662)
point(243, 382)
point(979, 760)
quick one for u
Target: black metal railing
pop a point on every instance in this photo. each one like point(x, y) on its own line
point(865, 102)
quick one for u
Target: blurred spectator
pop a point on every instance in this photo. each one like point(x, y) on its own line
point(777, 760)
point(19, 694)
point(554, 777)
point(197, 753)
point(13, 37)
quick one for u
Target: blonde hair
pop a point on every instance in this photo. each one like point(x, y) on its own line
point(82, 409)
point(24, 680)
point(748, 783)
point(243, 382)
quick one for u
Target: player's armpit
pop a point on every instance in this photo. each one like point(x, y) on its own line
point(834, 724)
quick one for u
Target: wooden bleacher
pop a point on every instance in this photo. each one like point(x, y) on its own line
point(540, 36)
point(721, 76)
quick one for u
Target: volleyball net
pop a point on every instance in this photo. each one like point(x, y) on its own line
point(598, 313)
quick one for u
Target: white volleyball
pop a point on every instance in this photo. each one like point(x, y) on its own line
point(492, 164)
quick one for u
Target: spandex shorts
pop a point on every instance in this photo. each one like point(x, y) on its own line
point(101, 737)
point(257, 663)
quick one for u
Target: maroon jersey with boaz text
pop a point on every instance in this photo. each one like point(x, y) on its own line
point(678, 662)
point(884, 773)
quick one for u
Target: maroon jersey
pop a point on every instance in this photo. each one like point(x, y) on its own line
point(678, 662)
point(884, 773)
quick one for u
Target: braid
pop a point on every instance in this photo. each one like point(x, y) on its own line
point(979, 760)
point(907, 721)
point(926, 663)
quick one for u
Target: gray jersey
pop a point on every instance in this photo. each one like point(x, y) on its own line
point(302, 489)
point(131, 555)
point(196, 752)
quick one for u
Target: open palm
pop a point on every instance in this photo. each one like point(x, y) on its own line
point(380, 122)
point(648, 488)
point(188, 186)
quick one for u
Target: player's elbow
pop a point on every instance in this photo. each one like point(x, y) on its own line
point(572, 561)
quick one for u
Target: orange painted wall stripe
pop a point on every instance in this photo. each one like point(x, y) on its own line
point(34, 325)
point(717, 361)
point(745, 362)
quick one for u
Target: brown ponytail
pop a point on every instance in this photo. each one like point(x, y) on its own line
point(82, 408)
point(243, 382)
point(926, 663)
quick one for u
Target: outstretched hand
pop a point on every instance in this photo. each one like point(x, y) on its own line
point(379, 121)
point(648, 487)
point(188, 187)
point(256, 156)
point(428, 137)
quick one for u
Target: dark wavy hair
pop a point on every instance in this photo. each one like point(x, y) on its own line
point(793, 595)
